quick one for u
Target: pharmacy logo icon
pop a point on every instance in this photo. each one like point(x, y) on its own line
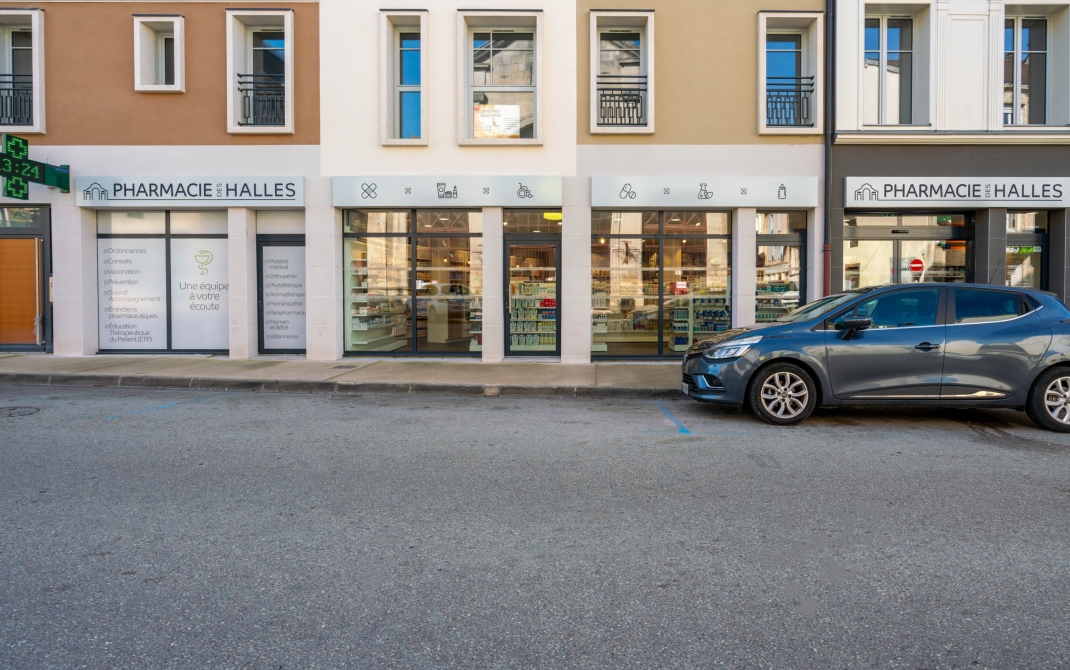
point(368, 190)
point(703, 194)
point(627, 191)
point(782, 192)
point(203, 258)
point(444, 193)
point(866, 192)
point(95, 192)
point(524, 192)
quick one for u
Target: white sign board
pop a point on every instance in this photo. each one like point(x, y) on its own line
point(956, 192)
point(200, 294)
point(212, 191)
point(283, 290)
point(132, 285)
point(703, 192)
point(447, 192)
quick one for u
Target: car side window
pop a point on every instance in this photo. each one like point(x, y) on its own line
point(898, 309)
point(983, 306)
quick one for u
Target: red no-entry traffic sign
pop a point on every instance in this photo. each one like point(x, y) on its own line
point(917, 265)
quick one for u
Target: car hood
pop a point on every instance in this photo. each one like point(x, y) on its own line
point(757, 329)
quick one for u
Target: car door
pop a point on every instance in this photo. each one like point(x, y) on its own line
point(995, 338)
point(900, 357)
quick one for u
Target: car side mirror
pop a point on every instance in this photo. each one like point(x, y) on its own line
point(855, 324)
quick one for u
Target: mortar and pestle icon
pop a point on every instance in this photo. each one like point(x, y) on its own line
point(203, 258)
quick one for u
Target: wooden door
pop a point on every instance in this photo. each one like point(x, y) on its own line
point(20, 294)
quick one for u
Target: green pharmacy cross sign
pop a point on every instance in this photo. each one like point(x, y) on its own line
point(18, 170)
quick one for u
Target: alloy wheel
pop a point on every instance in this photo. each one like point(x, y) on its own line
point(784, 395)
point(1057, 399)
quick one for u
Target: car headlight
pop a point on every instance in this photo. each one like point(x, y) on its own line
point(732, 348)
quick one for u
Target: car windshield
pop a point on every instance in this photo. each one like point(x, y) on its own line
point(819, 307)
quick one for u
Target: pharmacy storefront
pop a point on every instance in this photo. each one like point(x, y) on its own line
point(464, 266)
point(676, 259)
point(177, 257)
point(989, 230)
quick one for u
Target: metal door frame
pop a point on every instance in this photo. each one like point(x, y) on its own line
point(275, 241)
point(44, 276)
point(531, 239)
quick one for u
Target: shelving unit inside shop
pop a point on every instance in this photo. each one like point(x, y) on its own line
point(378, 318)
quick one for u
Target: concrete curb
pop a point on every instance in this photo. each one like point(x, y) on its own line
point(338, 388)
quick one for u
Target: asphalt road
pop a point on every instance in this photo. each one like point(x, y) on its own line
point(158, 529)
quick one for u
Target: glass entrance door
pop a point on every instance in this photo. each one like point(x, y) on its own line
point(532, 325)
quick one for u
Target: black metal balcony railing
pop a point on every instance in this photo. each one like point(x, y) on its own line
point(788, 101)
point(16, 100)
point(263, 99)
point(621, 100)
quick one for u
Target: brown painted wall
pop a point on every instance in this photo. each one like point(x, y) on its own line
point(89, 77)
point(706, 71)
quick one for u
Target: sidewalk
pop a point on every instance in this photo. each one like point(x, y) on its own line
point(347, 376)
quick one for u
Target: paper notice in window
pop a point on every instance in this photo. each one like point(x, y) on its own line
point(496, 121)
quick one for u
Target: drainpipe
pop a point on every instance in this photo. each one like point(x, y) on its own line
point(830, 120)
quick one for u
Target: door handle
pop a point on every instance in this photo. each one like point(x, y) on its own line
point(925, 346)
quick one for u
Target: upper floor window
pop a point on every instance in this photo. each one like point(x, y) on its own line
point(788, 94)
point(21, 70)
point(621, 79)
point(622, 71)
point(790, 63)
point(1025, 71)
point(159, 54)
point(403, 58)
point(260, 64)
point(408, 85)
point(888, 71)
point(503, 83)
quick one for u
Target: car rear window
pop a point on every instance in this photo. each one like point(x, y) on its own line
point(982, 306)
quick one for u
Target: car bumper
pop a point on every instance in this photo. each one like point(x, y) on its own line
point(724, 383)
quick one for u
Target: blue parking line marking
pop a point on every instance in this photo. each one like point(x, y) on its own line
point(169, 405)
point(679, 424)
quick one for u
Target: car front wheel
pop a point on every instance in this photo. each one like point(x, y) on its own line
point(782, 394)
point(1049, 401)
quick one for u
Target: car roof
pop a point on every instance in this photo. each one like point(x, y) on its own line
point(1024, 289)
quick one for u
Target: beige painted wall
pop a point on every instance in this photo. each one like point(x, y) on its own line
point(89, 77)
point(706, 71)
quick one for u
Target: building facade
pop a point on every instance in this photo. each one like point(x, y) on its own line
point(570, 179)
point(951, 160)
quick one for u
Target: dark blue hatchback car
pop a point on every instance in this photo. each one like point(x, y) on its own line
point(961, 345)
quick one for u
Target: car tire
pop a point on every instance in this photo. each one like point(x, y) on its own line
point(782, 394)
point(1048, 405)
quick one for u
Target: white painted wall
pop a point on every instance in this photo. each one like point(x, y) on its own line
point(350, 92)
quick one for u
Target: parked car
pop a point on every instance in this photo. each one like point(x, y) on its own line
point(962, 345)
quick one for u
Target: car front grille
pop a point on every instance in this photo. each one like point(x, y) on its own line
point(690, 381)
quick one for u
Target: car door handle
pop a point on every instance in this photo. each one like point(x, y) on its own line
point(925, 346)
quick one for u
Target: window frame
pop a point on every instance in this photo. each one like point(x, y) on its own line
point(1016, 109)
point(391, 24)
point(882, 66)
point(641, 21)
point(150, 30)
point(472, 21)
point(13, 20)
point(811, 25)
point(240, 25)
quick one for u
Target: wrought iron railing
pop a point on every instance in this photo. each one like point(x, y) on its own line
point(788, 101)
point(263, 99)
point(16, 100)
point(621, 100)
